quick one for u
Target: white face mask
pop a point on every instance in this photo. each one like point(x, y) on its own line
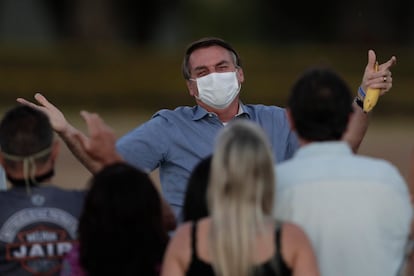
point(218, 90)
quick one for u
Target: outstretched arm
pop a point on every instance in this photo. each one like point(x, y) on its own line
point(100, 146)
point(95, 151)
point(381, 79)
point(66, 131)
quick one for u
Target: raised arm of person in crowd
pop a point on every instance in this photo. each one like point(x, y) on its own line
point(100, 147)
point(95, 151)
point(64, 129)
point(381, 79)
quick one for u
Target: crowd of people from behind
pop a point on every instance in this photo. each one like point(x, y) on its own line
point(246, 189)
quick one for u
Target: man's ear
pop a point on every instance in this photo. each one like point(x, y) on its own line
point(240, 74)
point(192, 88)
point(290, 119)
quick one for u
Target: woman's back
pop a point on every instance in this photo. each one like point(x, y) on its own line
point(291, 255)
point(267, 256)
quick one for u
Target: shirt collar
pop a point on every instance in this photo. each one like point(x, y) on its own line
point(199, 112)
point(324, 148)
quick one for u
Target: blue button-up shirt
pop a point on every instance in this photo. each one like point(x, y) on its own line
point(176, 140)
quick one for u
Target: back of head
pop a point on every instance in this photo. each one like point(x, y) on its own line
point(240, 194)
point(204, 43)
point(195, 201)
point(24, 132)
point(320, 103)
point(26, 141)
point(122, 210)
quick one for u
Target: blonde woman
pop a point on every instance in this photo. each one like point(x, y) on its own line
point(240, 237)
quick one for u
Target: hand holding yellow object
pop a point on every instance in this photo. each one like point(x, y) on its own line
point(371, 98)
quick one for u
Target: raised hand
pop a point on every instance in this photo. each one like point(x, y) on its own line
point(56, 117)
point(381, 79)
point(100, 146)
point(69, 134)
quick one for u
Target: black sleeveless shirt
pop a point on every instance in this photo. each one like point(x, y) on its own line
point(276, 266)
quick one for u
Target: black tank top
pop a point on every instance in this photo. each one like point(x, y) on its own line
point(276, 266)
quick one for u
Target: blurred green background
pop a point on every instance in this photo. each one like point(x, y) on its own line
point(125, 54)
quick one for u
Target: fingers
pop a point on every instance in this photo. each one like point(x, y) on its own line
point(385, 79)
point(95, 123)
point(43, 101)
point(92, 120)
point(384, 66)
point(101, 144)
point(382, 79)
point(26, 102)
point(372, 58)
point(98, 130)
point(391, 62)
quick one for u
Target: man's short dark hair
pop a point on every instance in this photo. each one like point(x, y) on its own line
point(25, 131)
point(320, 103)
point(204, 43)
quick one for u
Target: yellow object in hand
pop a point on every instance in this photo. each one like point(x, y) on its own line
point(372, 95)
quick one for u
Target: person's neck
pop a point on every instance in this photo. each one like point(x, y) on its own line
point(225, 114)
point(44, 173)
point(304, 142)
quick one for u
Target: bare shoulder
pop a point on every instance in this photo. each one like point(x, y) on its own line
point(178, 254)
point(293, 232)
point(182, 235)
point(297, 250)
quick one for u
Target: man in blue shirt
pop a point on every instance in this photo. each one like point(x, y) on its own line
point(175, 140)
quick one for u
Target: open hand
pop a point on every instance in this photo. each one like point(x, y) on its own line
point(56, 117)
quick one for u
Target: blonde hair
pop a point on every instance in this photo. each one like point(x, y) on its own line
point(240, 195)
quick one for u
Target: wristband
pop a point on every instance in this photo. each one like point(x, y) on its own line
point(361, 92)
point(359, 102)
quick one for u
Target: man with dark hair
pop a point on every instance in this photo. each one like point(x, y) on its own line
point(356, 210)
point(176, 140)
point(38, 221)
